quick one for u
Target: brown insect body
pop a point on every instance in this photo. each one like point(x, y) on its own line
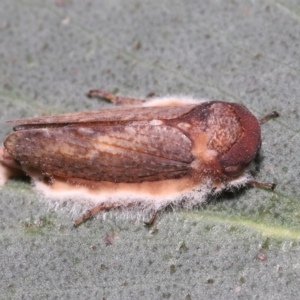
point(158, 151)
point(213, 138)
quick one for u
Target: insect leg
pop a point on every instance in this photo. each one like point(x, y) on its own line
point(267, 185)
point(152, 220)
point(272, 115)
point(118, 100)
point(94, 210)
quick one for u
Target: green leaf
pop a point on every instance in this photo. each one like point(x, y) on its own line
point(241, 245)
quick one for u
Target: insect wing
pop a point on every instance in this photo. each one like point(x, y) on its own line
point(123, 114)
point(134, 152)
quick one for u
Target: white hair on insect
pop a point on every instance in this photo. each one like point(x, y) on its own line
point(79, 198)
point(173, 100)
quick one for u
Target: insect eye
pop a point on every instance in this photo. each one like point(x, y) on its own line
point(233, 171)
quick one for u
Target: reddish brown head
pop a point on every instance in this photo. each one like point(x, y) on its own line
point(230, 130)
point(244, 150)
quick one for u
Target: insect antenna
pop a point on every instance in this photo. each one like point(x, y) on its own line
point(274, 114)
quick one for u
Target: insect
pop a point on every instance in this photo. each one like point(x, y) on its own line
point(155, 153)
